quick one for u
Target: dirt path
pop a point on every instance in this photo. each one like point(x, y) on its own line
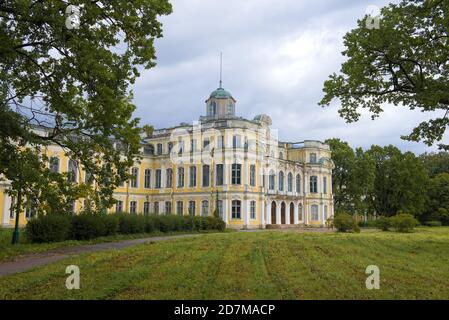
point(39, 259)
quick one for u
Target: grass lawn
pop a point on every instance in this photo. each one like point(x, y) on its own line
point(10, 252)
point(253, 265)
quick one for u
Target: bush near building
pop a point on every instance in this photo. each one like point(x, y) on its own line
point(85, 226)
point(403, 222)
point(345, 222)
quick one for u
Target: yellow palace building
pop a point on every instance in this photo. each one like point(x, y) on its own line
point(221, 164)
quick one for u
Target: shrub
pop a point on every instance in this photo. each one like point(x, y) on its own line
point(111, 224)
point(48, 228)
point(403, 222)
point(368, 224)
point(131, 223)
point(433, 223)
point(345, 222)
point(383, 223)
point(87, 226)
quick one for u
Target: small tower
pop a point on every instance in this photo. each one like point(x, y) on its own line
point(220, 103)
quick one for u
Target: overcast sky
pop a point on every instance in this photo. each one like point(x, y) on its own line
point(276, 56)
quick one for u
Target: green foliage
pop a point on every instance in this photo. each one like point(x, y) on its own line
point(345, 222)
point(78, 80)
point(403, 222)
point(438, 204)
point(435, 162)
point(383, 223)
point(403, 63)
point(48, 228)
point(86, 226)
point(432, 223)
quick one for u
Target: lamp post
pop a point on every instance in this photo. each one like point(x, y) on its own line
point(15, 235)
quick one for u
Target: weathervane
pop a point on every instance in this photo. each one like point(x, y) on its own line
point(221, 67)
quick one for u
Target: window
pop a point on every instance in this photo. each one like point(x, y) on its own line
point(181, 146)
point(314, 212)
point(300, 213)
point(220, 208)
point(281, 181)
point(206, 143)
point(281, 155)
point(119, 206)
point(134, 177)
point(289, 182)
point(146, 207)
point(313, 158)
point(205, 208)
point(149, 149)
point(169, 147)
point(158, 183)
point(192, 208)
point(324, 185)
point(236, 141)
point(88, 177)
point(156, 207)
point(180, 177)
point(147, 179)
point(30, 209)
point(236, 173)
point(325, 213)
point(252, 175)
point(271, 180)
point(12, 214)
point(219, 175)
point(54, 164)
point(230, 109)
point(133, 207)
point(298, 183)
point(72, 171)
point(252, 209)
point(169, 182)
point(236, 209)
point(159, 148)
point(192, 176)
point(179, 208)
point(206, 175)
point(167, 207)
point(313, 184)
point(220, 142)
point(193, 145)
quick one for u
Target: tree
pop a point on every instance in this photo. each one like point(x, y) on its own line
point(400, 182)
point(438, 205)
point(435, 162)
point(403, 62)
point(352, 177)
point(72, 81)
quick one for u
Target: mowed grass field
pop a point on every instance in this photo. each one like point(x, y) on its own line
point(253, 265)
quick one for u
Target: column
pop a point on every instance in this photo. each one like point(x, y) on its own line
point(245, 212)
point(278, 213)
point(268, 211)
point(322, 214)
point(225, 210)
point(287, 214)
point(6, 207)
point(296, 214)
point(262, 213)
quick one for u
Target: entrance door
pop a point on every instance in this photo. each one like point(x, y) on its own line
point(283, 213)
point(292, 213)
point(273, 212)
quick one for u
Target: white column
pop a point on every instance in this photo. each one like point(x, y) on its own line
point(225, 210)
point(245, 212)
point(262, 213)
point(278, 213)
point(322, 213)
point(287, 214)
point(296, 215)
point(268, 211)
point(6, 207)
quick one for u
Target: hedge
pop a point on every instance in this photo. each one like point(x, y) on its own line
point(345, 222)
point(85, 226)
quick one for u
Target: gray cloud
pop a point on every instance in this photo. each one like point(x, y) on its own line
point(276, 56)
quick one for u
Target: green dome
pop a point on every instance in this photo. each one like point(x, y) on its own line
point(220, 93)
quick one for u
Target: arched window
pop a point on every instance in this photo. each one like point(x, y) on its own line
point(271, 180)
point(72, 171)
point(298, 183)
point(300, 212)
point(281, 181)
point(313, 158)
point(313, 184)
point(290, 182)
point(54, 164)
point(205, 208)
point(281, 155)
point(314, 212)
